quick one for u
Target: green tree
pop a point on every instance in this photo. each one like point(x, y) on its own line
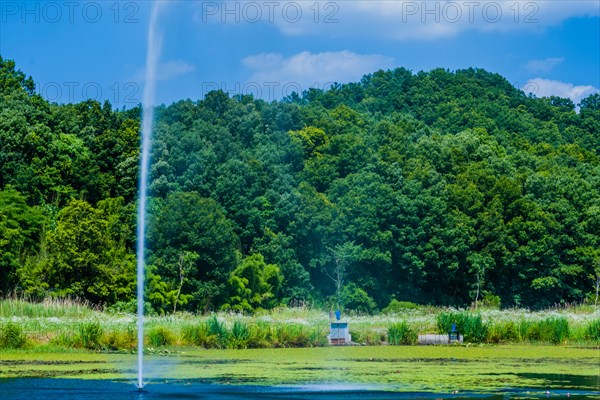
point(254, 284)
point(20, 231)
point(479, 263)
point(453, 183)
point(343, 255)
point(186, 223)
point(311, 139)
point(84, 256)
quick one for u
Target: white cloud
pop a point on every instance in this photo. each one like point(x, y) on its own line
point(167, 70)
point(545, 65)
point(174, 68)
point(546, 88)
point(319, 70)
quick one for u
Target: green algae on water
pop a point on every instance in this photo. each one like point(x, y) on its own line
point(406, 368)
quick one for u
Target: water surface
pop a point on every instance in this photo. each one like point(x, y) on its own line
point(80, 389)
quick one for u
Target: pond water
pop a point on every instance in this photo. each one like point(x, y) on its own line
point(372, 373)
point(82, 389)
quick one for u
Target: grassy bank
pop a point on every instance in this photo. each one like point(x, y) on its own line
point(63, 324)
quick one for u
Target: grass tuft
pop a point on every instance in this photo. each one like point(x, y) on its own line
point(161, 336)
point(217, 332)
point(240, 335)
point(592, 330)
point(196, 334)
point(502, 332)
point(90, 335)
point(401, 334)
point(120, 340)
point(12, 336)
point(554, 330)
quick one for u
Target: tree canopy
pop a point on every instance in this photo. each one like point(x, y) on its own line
point(436, 187)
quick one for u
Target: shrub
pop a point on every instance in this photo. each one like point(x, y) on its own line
point(471, 326)
point(490, 301)
point(12, 336)
point(161, 336)
point(401, 334)
point(358, 300)
point(396, 306)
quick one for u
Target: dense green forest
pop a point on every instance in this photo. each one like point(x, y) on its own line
point(437, 187)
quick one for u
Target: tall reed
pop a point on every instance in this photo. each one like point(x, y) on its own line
point(401, 334)
point(12, 336)
point(161, 336)
point(90, 335)
point(554, 330)
point(592, 330)
point(470, 325)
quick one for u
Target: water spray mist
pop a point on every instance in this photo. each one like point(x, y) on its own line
point(152, 56)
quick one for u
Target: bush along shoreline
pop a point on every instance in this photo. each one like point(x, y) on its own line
point(25, 325)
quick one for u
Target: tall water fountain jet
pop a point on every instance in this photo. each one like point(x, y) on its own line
point(152, 55)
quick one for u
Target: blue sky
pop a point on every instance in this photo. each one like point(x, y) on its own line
point(97, 49)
